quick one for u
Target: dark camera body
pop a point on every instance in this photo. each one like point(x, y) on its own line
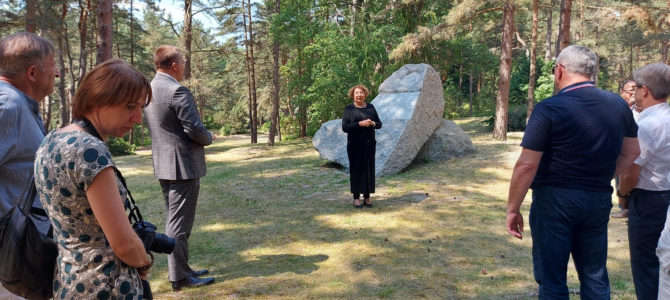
point(153, 241)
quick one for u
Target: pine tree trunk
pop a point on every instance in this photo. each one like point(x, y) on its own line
point(248, 65)
point(470, 92)
point(187, 36)
point(105, 23)
point(274, 118)
point(354, 8)
point(83, 34)
point(31, 13)
point(254, 102)
point(64, 111)
point(533, 67)
point(563, 39)
point(547, 43)
point(502, 101)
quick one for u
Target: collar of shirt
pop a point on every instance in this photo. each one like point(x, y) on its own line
point(651, 109)
point(168, 75)
point(577, 85)
point(34, 105)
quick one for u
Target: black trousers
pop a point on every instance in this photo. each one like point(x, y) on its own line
point(646, 218)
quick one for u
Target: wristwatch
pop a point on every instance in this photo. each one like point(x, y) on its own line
point(618, 193)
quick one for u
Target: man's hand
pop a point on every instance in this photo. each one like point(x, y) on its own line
point(515, 224)
point(213, 136)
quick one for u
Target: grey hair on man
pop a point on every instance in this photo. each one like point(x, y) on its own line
point(578, 59)
point(656, 77)
point(21, 50)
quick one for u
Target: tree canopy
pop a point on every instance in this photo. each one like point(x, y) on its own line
point(325, 47)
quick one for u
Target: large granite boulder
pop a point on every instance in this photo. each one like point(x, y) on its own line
point(448, 141)
point(410, 104)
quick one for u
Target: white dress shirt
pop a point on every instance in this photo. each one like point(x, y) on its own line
point(654, 137)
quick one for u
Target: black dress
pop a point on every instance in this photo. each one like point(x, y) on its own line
point(361, 145)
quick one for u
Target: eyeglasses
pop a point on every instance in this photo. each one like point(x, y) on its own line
point(553, 69)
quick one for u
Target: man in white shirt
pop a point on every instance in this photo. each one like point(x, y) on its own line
point(646, 183)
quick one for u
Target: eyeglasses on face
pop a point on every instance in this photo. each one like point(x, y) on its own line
point(553, 69)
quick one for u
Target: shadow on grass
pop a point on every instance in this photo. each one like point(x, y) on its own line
point(267, 265)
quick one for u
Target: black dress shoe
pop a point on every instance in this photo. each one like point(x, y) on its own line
point(191, 282)
point(198, 273)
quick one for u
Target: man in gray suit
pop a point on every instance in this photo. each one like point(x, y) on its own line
point(178, 138)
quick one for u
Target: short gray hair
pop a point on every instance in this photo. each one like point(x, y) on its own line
point(578, 59)
point(21, 50)
point(656, 77)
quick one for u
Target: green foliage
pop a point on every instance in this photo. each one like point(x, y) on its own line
point(544, 87)
point(120, 147)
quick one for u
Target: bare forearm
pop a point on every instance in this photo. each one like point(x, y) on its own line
point(522, 177)
point(628, 179)
point(630, 150)
point(132, 253)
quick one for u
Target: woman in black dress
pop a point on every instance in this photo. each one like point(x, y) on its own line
point(359, 121)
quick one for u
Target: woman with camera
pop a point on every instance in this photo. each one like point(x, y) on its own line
point(99, 254)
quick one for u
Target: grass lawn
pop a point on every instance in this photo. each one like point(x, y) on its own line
point(277, 223)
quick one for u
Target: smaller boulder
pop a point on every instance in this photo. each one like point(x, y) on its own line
point(448, 141)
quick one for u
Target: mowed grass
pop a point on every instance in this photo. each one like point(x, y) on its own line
point(278, 223)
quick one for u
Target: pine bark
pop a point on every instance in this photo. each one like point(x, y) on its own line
point(502, 101)
point(274, 118)
point(105, 29)
point(563, 39)
point(533, 67)
point(31, 15)
point(83, 37)
point(187, 36)
point(547, 43)
point(62, 47)
point(254, 102)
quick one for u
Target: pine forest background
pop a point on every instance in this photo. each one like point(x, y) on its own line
point(284, 67)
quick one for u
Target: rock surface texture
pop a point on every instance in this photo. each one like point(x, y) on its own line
point(410, 104)
point(448, 141)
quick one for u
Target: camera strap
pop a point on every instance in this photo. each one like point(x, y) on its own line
point(134, 214)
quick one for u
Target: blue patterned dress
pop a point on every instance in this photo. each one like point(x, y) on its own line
point(86, 268)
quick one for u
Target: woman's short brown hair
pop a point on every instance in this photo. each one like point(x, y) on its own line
point(358, 86)
point(111, 83)
point(165, 56)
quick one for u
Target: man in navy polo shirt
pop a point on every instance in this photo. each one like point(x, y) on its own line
point(574, 144)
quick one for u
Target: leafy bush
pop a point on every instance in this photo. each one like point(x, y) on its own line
point(120, 147)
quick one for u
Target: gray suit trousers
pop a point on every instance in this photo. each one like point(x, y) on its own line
point(181, 197)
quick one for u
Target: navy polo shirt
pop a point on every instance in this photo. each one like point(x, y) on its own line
point(580, 131)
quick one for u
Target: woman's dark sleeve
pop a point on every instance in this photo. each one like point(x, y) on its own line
point(378, 122)
point(348, 125)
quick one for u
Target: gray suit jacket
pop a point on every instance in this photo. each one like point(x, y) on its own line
point(178, 136)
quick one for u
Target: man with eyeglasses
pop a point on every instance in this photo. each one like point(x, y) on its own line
point(574, 144)
point(646, 184)
point(628, 94)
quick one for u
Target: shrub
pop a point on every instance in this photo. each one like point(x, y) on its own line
point(120, 147)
